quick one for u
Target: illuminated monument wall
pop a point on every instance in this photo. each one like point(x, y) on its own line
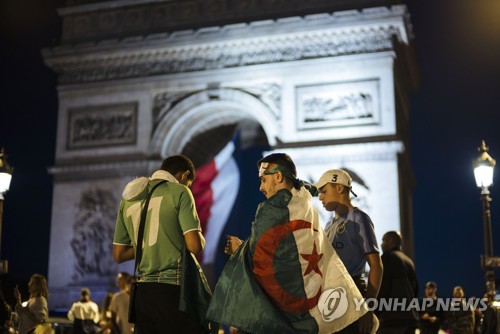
point(138, 80)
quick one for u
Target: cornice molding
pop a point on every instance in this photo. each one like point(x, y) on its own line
point(95, 20)
point(324, 35)
point(89, 171)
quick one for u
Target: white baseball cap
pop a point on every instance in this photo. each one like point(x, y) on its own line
point(337, 176)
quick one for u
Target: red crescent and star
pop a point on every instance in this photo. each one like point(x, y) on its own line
point(265, 249)
point(313, 260)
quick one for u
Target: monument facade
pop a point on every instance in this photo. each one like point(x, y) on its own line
point(141, 80)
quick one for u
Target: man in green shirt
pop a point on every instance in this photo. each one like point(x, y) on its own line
point(171, 223)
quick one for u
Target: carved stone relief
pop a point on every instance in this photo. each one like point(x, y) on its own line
point(218, 56)
point(93, 228)
point(267, 93)
point(338, 104)
point(163, 102)
point(102, 125)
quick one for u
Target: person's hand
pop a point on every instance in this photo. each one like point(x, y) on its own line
point(426, 316)
point(233, 330)
point(433, 319)
point(17, 295)
point(232, 244)
point(366, 323)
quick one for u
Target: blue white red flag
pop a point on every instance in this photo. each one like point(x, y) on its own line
point(215, 190)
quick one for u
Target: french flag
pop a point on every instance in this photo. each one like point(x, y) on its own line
point(215, 191)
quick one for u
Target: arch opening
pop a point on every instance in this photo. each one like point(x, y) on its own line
point(201, 112)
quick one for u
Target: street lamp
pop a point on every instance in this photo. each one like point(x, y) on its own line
point(483, 172)
point(5, 177)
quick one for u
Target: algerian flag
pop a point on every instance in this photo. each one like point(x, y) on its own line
point(286, 278)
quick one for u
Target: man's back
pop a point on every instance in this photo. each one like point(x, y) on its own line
point(119, 305)
point(171, 213)
point(399, 281)
point(400, 270)
point(171, 227)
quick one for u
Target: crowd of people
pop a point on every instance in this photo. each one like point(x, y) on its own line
point(32, 316)
point(275, 281)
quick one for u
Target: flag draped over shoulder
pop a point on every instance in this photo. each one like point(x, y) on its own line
point(215, 190)
point(286, 278)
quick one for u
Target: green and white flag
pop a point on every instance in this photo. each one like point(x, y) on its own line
point(286, 278)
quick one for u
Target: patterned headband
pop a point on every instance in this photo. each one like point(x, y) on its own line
point(267, 168)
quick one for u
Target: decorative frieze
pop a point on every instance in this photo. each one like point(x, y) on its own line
point(102, 126)
point(228, 46)
point(226, 55)
point(338, 104)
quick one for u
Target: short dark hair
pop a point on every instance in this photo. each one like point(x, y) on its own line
point(179, 163)
point(84, 295)
point(281, 159)
point(85, 292)
point(394, 237)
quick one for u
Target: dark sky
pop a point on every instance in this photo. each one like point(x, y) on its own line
point(28, 116)
point(454, 108)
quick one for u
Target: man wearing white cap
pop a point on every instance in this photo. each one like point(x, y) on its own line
point(352, 235)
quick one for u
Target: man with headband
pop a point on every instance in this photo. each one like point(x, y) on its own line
point(352, 235)
point(286, 276)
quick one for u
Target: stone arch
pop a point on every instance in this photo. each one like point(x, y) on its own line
point(206, 110)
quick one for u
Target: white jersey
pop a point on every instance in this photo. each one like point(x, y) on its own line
point(84, 311)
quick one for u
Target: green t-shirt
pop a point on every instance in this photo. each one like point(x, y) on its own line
point(171, 214)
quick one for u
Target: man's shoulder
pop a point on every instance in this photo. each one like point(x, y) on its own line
point(175, 190)
point(119, 296)
point(359, 216)
point(167, 189)
point(397, 257)
point(167, 186)
point(390, 256)
point(401, 255)
point(358, 213)
point(279, 200)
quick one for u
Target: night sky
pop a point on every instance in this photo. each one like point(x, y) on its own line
point(455, 107)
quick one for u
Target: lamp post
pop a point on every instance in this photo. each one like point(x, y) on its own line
point(5, 177)
point(483, 173)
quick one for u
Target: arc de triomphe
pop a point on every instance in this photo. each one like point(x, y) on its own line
point(325, 81)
